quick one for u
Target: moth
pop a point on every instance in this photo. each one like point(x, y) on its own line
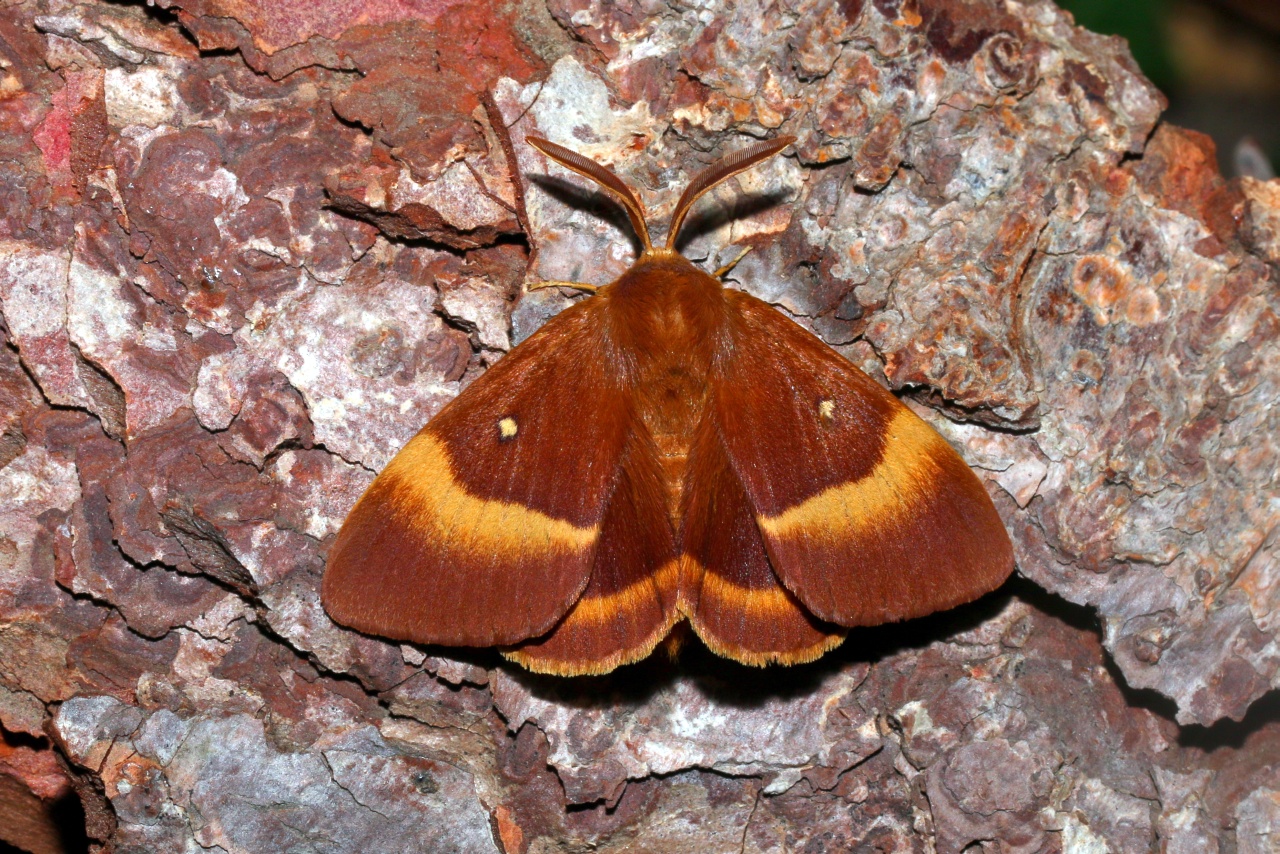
point(667, 449)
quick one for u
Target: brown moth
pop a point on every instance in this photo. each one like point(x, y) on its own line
point(668, 449)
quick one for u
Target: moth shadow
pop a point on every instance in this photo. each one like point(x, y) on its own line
point(628, 686)
point(595, 202)
point(729, 684)
point(739, 686)
point(708, 217)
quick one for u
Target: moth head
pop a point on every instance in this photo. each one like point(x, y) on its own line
point(723, 169)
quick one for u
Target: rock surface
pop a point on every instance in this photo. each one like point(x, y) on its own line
point(246, 250)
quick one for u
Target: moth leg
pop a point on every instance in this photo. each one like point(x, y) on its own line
point(724, 271)
point(581, 286)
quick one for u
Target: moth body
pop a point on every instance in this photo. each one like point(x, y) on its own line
point(667, 315)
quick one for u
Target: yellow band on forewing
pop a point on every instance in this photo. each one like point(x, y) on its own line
point(422, 483)
point(900, 481)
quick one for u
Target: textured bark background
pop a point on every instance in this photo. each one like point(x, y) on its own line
point(246, 250)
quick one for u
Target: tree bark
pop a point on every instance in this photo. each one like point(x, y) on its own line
point(245, 253)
